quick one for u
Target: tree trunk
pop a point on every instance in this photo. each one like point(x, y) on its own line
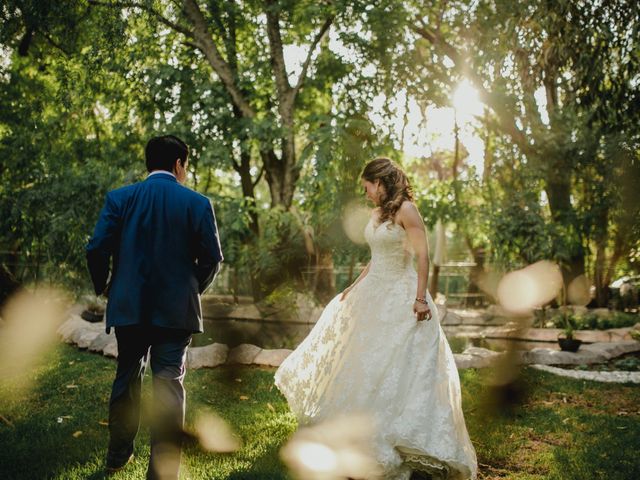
point(477, 271)
point(435, 277)
point(602, 290)
point(8, 284)
point(324, 283)
point(281, 176)
point(558, 189)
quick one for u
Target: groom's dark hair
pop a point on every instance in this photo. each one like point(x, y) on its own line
point(161, 152)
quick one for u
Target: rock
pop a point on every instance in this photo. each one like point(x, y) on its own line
point(440, 299)
point(480, 352)
point(314, 315)
point(612, 349)
point(68, 328)
point(111, 349)
point(551, 334)
point(307, 309)
point(244, 354)
point(85, 337)
point(476, 357)
point(476, 317)
point(547, 356)
point(601, 312)
point(207, 356)
point(272, 358)
point(611, 377)
point(101, 341)
point(464, 361)
point(245, 312)
point(448, 317)
point(467, 331)
point(496, 310)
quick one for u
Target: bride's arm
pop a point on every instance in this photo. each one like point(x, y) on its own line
point(409, 217)
point(360, 277)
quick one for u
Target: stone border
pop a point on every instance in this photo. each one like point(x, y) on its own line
point(92, 336)
point(602, 376)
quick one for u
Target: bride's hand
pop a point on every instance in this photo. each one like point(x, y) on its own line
point(422, 311)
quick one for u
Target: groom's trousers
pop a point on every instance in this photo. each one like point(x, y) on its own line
point(167, 349)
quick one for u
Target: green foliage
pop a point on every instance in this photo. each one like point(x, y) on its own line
point(55, 172)
point(83, 86)
point(631, 364)
point(593, 321)
point(283, 298)
point(568, 321)
point(279, 251)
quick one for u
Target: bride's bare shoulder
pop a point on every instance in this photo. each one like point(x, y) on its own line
point(408, 213)
point(408, 208)
point(408, 205)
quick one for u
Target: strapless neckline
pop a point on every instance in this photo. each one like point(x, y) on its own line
point(376, 227)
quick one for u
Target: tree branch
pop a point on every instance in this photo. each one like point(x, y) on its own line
point(255, 182)
point(146, 8)
point(527, 79)
point(52, 42)
point(207, 45)
point(234, 164)
point(276, 49)
point(307, 61)
point(191, 45)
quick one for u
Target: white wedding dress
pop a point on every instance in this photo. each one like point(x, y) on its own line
point(369, 354)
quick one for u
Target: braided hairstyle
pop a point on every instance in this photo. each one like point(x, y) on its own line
point(396, 185)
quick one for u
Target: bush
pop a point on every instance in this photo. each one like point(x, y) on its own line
point(592, 321)
point(629, 364)
point(283, 297)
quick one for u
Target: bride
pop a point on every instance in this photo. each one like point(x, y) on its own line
point(378, 348)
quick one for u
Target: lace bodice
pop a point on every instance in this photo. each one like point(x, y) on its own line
point(390, 251)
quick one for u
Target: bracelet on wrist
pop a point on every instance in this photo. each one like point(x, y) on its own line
point(421, 300)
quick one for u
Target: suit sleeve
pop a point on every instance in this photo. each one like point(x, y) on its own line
point(102, 245)
point(209, 253)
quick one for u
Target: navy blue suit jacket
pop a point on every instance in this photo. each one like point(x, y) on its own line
point(163, 240)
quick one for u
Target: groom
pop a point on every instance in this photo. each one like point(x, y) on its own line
point(163, 242)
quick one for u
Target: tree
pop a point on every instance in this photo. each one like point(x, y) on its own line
point(582, 56)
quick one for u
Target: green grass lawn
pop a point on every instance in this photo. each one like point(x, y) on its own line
point(564, 429)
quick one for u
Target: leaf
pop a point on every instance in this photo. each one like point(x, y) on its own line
point(77, 434)
point(244, 397)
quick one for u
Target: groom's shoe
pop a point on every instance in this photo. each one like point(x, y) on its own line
point(115, 466)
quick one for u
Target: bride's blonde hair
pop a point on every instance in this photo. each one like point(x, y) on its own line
point(397, 187)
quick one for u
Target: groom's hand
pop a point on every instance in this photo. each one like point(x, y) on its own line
point(107, 288)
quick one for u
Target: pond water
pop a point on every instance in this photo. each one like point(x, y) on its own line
point(271, 334)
